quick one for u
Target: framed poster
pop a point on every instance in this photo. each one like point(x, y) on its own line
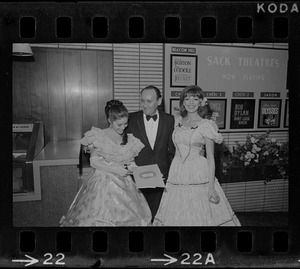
point(183, 70)
point(242, 113)
point(174, 107)
point(269, 113)
point(219, 111)
point(286, 114)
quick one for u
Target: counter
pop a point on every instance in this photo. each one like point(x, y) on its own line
point(60, 152)
point(56, 182)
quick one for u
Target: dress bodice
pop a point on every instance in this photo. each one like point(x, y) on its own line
point(109, 150)
point(189, 141)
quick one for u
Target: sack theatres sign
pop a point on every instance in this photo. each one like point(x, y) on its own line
point(276, 7)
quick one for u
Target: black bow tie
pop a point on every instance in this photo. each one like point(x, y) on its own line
point(154, 117)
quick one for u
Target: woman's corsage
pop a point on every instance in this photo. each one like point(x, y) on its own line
point(204, 101)
point(88, 148)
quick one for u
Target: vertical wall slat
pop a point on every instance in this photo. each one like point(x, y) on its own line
point(89, 76)
point(22, 97)
point(105, 84)
point(57, 102)
point(72, 70)
point(39, 88)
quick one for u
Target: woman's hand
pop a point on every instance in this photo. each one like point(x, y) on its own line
point(122, 171)
point(213, 197)
point(130, 167)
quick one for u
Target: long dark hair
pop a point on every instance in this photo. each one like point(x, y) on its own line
point(194, 90)
point(115, 110)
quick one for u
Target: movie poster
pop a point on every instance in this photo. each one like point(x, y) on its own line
point(242, 113)
point(269, 113)
point(174, 107)
point(219, 111)
point(183, 70)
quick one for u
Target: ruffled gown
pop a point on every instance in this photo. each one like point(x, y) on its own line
point(105, 198)
point(185, 198)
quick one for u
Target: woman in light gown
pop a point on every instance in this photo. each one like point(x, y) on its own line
point(193, 196)
point(108, 196)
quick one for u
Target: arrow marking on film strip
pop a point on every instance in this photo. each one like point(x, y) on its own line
point(169, 260)
point(29, 262)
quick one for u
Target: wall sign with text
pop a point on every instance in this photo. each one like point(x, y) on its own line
point(183, 70)
point(242, 113)
point(227, 71)
point(269, 113)
point(219, 111)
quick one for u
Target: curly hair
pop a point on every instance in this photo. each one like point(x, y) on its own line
point(115, 110)
point(194, 90)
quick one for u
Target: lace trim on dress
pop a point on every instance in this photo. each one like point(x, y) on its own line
point(192, 128)
point(103, 145)
point(178, 123)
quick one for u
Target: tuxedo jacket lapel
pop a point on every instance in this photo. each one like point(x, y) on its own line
point(141, 126)
point(159, 128)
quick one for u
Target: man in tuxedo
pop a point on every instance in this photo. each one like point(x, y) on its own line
point(154, 128)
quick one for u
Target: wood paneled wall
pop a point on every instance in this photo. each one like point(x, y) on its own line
point(66, 89)
point(135, 66)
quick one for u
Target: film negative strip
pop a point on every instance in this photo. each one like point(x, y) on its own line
point(30, 234)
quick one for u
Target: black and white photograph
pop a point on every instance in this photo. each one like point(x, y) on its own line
point(150, 134)
point(97, 111)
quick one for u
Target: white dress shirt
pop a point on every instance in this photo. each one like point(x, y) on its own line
point(151, 129)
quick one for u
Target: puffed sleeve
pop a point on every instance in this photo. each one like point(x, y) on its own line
point(135, 145)
point(93, 138)
point(209, 129)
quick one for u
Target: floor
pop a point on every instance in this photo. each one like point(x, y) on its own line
point(263, 218)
